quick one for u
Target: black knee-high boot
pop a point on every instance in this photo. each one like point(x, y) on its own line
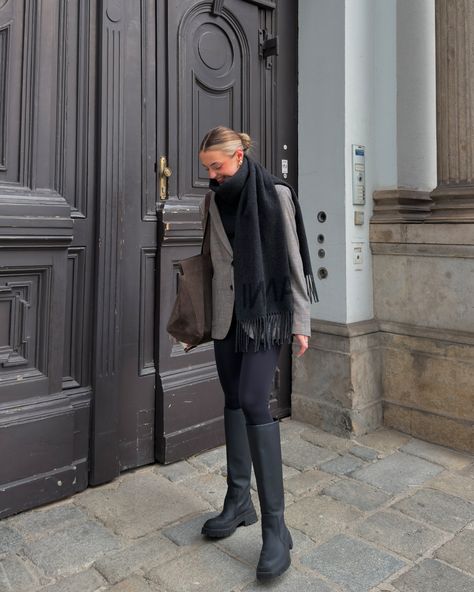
point(265, 449)
point(238, 507)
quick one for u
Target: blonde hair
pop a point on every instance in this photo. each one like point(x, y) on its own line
point(225, 139)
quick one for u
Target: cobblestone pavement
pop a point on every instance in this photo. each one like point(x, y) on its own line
point(379, 513)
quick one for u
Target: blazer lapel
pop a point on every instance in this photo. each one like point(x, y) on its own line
point(218, 226)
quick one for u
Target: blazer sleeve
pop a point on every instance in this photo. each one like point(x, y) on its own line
point(301, 303)
point(201, 211)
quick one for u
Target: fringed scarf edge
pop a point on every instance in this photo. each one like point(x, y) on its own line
point(265, 331)
point(311, 288)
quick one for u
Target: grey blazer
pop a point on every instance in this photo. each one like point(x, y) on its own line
point(223, 278)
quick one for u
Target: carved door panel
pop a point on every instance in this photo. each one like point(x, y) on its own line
point(217, 74)
point(47, 216)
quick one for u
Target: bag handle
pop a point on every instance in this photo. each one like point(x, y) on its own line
point(206, 241)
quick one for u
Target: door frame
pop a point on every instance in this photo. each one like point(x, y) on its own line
point(104, 445)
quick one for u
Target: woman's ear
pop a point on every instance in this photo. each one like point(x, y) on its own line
point(240, 155)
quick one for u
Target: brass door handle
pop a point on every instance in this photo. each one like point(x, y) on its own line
point(164, 174)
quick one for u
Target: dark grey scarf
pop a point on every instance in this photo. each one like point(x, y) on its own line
point(263, 298)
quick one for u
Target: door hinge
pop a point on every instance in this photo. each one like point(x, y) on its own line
point(267, 46)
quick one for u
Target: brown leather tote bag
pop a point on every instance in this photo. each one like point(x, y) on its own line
point(191, 317)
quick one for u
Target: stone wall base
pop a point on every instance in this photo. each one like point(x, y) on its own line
point(337, 420)
point(418, 380)
point(428, 384)
point(337, 383)
point(439, 429)
point(423, 278)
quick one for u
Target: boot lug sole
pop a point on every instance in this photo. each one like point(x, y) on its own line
point(269, 575)
point(223, 533)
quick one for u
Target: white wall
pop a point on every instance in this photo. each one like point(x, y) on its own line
point(416, 73)
point(366, 76)
point(385, 163)
point(371, 115)
point(360, 110)
point(321, 146)
point(347, 95)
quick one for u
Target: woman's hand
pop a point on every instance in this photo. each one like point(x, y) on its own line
point(303, 341)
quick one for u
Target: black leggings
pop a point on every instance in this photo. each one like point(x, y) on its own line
point(246, 378)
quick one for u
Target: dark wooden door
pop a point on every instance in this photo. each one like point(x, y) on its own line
point(91, 95)
point(123, 429)
point(216, 74)
point(136, 384)
point(47, 247)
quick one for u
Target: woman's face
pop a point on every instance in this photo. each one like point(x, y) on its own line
point(219, 165)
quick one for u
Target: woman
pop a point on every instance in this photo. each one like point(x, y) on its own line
point(262, 287)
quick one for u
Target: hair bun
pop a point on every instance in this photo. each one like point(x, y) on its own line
point(246, 141)
point(226, 139)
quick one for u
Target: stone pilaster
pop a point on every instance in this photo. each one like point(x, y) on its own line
point(401, 205)
point(454, 196)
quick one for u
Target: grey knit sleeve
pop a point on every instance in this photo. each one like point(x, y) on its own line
point(301, 303)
